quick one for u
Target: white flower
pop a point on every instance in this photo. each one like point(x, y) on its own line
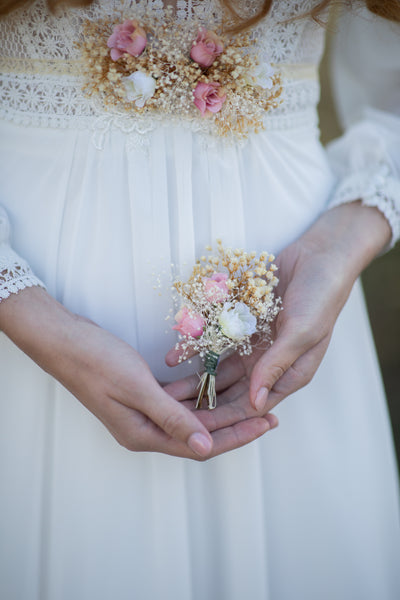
point(139, 88)
point(236, 321)
point(261, 75)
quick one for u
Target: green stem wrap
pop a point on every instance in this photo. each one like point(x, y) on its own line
point(211, 363)
point(207, 381)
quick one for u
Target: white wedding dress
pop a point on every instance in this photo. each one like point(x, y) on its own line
point(97, 202)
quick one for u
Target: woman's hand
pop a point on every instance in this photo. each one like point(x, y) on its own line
point(110, 378)
point(316, 275)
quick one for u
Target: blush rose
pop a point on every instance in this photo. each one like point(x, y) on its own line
point(206, 48)
point(215, 288)
point(189, 323)
point(209, 98)
point(128, 38)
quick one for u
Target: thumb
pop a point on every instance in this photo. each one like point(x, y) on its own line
point(270, 368)
point(174, 418)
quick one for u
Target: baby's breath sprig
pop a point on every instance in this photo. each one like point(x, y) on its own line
point(227, 300)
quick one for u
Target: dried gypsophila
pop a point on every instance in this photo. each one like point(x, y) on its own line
point(227, 300)
point(164, 74)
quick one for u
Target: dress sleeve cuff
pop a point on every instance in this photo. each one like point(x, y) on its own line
point(377, 188)
point(15, 273)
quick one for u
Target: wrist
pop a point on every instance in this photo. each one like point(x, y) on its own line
point(352, 234)
point(37, 324)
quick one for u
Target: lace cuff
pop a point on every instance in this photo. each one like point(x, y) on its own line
point(15, 273)
point(365, 161)
point(379, 189)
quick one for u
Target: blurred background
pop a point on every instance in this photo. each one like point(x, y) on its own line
point(381, 281)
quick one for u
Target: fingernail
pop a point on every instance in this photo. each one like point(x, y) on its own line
point(261, 398)
point(272, 420)
point(200, 444)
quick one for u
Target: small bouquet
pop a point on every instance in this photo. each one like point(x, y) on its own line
point(227, 300)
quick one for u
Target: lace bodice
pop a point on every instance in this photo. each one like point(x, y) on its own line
point(36, 34)
point(42, 83)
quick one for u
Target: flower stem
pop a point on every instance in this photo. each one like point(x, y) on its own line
point(207, 381)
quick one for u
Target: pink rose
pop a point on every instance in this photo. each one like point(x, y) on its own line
point(128, 38)
point(215, 287)
point(206, 48)
point(209, 98)
point(189, 323)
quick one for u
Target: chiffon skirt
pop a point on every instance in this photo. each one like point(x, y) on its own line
point(309, 511)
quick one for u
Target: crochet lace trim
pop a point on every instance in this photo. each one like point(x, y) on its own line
point(41, 84)
point(15, 273)
point(378, 189)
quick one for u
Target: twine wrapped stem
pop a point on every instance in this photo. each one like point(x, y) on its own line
point(207, 381)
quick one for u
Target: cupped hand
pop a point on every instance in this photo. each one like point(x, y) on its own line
point(119, 388)
point(232, 386)
point(112, 380)
point(316, 275)
point(313, 292)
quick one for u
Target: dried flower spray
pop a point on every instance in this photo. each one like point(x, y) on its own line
point(227, 300)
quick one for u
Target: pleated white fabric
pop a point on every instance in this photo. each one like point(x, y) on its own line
point(309, 511)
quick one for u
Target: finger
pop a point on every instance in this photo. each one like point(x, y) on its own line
point(229, 438)
point(241, 434)
point(233, 406)
point(183, 389)
point(230, 370)
point(227, 412)
point(172, 417)
point(232, 410)
point(299, 374)
point(137, 433)
point(174, 356)
point(271, 367)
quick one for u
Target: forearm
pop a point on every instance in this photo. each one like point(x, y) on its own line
point(39, 325)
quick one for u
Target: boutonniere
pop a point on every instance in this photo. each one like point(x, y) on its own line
point(228, 303)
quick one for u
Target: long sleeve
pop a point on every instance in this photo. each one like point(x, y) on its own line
point(15, 273)
point(366, 85)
